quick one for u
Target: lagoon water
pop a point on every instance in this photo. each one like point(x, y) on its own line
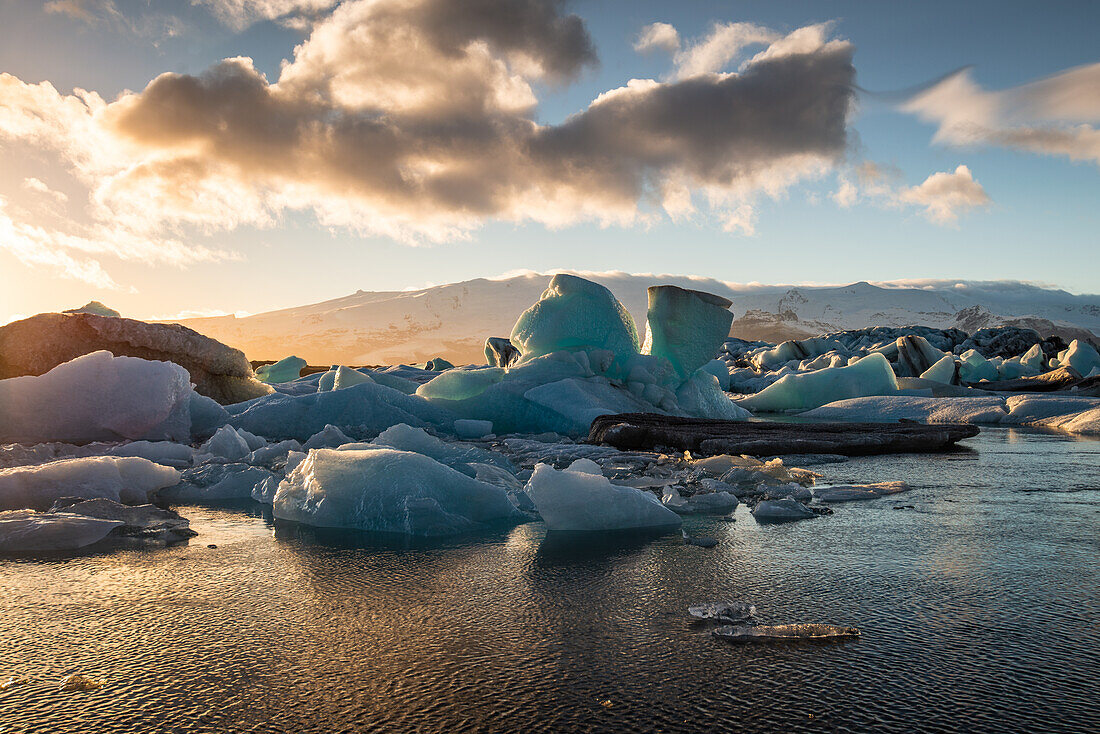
point(979, 606)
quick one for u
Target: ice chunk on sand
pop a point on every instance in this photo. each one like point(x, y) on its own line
point(362, 409)
point(389, 491)
point(285, 370)
point(126, 479)
point(686, 327)
point(782, 510)
point(98, 397)
point(458, 456)
point(499, 352)
point(942, 371)
point(871, 375)
point(575, 314)
point(850, 492)
point(572, 500)
point(26, 531)
point(924, 410)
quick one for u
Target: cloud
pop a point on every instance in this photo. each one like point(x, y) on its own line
point(657, 37)
point(417, 120)
point(944, 196)
point(723, 44)
point(106, 14)
point(240, 14)
point(1052, 116)
point(39, 187)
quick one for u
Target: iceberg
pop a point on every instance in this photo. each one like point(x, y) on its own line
point(226, 443)
point(499, 352)
point(923, 410)
point(328, 437)
point(915, 355)
point(26, 531)
point(98, 397)
point(784, 632)
point(466, 428)
point(346, 377)
point(458, 456)
point(129, 479)
point(782, 510)
point(575, 314)
point(461, 383)
point(159, 452)
point(389, 491)
point(1081, 356)
point(366, 409)
point(285, 370)
point(871, 375)
point(146, 523)
point(942, 371)
point(576, 500)
point(686, 327)
point(216, 482)
point(975, 368)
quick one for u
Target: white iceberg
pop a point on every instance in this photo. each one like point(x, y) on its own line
point(871, 375)
point(1081, 356)
point(942, 371)
point(390, 491)
point(129, 479)
point(852, 492)
point(98, 397)
point(578, 500)
point(227, 444)
point(458, 456)
point(891, 408)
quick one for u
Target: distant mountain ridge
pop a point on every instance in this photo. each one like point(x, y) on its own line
point(454, 320)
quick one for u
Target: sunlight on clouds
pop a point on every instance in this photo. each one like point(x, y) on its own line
point(1054, 116)
point(416, 120)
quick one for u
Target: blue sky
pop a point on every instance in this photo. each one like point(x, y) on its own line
point(1019, 212)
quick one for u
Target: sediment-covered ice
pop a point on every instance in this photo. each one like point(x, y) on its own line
point(871, 375)
point(386, 490)
point(576, 500)
point(129, 479)
point(98, 397)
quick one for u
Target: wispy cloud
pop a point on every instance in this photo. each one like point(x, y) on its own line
point(942, 197)
point(1053, 116)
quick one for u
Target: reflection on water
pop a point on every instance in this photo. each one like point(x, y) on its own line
point(978, 607)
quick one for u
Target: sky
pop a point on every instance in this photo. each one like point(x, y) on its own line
point(236, 156)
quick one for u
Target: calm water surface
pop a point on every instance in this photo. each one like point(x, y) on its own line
point(979, 607)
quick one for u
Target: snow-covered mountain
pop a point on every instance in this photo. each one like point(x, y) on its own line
point(454, 320)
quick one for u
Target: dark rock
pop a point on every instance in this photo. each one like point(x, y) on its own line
point(645, 431)
point(36, 345)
